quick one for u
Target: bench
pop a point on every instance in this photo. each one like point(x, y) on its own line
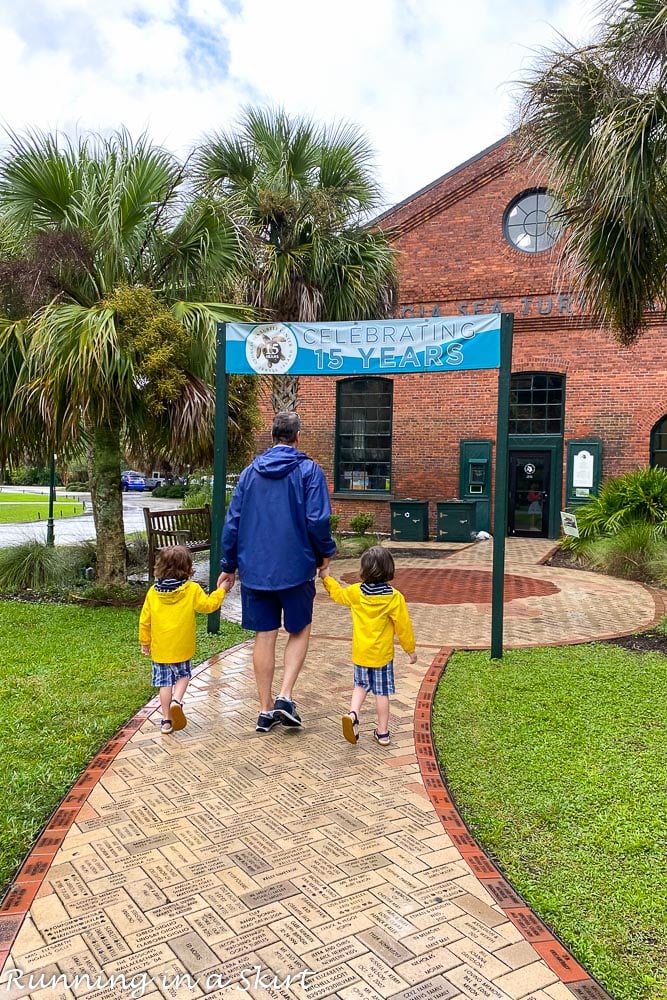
point(189, 527)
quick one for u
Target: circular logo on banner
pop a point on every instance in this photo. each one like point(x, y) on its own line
point(529, 469)
point(271, 349)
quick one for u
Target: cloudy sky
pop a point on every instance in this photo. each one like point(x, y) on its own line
point(431, 82)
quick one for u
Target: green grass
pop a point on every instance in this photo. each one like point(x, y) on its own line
point(69, 678)
point(15, 512)
point(557, 759)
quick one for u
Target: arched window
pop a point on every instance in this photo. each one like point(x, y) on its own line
point(537, 403)
point(363, 435)
point(659, 443)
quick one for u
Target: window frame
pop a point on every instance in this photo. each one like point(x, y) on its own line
point(537, 191)
point(339, 488)
point(655, 431)
point(513, 421)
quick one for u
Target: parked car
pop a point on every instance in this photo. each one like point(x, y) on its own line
point(132, 481)
point(154, 480)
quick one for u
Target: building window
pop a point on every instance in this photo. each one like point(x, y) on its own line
point(537, 403)
point(529, 224)
point(363, 435)
point(659, 444)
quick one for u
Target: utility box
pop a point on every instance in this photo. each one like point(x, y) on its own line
point(409, 520)
point(457, 521)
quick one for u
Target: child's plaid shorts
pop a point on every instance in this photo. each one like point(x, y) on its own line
point(166, 674)
point(376, 680)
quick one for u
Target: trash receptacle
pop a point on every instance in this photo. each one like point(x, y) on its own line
point(409, 520)
point(457, 521)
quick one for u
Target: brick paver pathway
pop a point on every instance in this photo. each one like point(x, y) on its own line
point(215, 853)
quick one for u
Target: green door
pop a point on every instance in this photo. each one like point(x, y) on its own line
point(529, 500)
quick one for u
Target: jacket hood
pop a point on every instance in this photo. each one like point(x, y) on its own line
point(278, 461)
point(172, 596)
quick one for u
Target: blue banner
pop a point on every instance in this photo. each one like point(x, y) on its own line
point(369, 347)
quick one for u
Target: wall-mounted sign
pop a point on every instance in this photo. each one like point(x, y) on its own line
point(582, 469)
point(366, 348)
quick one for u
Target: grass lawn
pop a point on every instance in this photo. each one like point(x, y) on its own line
point(557, 759)
point(18, 507)
point(69, 678)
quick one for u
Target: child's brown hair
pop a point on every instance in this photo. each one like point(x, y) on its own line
point(377, 565)
point(174, 562)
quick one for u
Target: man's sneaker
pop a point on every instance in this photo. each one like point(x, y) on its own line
point(286, 712)
point(266, 721)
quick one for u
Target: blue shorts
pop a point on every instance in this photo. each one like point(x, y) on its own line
point(166, 674)
point(262, 610)
point(375, 680)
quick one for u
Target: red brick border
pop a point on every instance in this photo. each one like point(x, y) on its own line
point(16, 902)
point(547, 946)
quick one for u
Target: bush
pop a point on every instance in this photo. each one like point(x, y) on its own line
point(634, 553)
point(197, 496)
point(334, 522)
point(639, 496)
point(361, 523)
point(137, 553)
point(175, 492)
point(30, 566)
point(77, 487)
point(32, 475)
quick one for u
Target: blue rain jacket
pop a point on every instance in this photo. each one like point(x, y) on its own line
point(278, 521)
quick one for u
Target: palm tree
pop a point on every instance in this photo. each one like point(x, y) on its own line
point(597, 116)
point(111, 291)
point(301, 192)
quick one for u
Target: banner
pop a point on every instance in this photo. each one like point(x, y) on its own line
point(369, 347)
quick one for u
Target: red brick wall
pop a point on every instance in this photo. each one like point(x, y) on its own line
point(453, 255)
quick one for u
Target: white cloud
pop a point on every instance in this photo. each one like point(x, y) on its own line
point(429, 81)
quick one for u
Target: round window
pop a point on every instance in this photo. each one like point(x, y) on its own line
point(528, 223)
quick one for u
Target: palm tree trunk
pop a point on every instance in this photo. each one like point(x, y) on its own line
point(107, 501)
point(284, 393)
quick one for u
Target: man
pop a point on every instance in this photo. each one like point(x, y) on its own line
point(277, 532)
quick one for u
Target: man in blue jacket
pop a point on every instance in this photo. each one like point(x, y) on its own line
point(277, 532)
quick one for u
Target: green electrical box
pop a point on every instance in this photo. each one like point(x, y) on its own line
point(457, 521)
point(409, 520)
point(475, 479)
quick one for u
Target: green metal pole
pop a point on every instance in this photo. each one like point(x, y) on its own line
point(219, 463)
point(50, 539)
point(501, 485)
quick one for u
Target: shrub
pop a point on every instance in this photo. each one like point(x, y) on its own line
point(77, 487)
point(76, 559)
point(32, 475)
point(30, 566)
point(637, 496)
point(197, 496)
point(175, 492)
point(361, 523)
point(634, 553)
point(334, 522)
point(137, 553)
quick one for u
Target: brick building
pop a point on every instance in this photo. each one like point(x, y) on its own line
point(475, 241)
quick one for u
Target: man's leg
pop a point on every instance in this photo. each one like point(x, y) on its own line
point(264, 664)
point(296, 651)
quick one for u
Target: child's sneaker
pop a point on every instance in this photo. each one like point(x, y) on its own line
point(178, 719)
point(351, 727)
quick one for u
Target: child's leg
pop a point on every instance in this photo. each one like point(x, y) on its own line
point(382, 709)
point(357, 699)
point(165, 701)
point(180, 687)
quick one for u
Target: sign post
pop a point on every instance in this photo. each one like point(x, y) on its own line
point(369, 347)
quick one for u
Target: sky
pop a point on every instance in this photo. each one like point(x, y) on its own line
point(430, 82)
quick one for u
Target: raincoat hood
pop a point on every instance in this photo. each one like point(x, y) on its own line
point(279, 461)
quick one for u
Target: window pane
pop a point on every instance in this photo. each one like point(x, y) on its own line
point(364, 435)
point(536, 403)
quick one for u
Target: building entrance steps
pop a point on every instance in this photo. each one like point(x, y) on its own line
point(216, 852)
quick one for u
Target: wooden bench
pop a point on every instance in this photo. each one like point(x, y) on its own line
point(190, 527)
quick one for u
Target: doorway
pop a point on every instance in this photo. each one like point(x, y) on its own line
point(529, 483)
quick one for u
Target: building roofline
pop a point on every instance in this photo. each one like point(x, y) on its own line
point(438, 180)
